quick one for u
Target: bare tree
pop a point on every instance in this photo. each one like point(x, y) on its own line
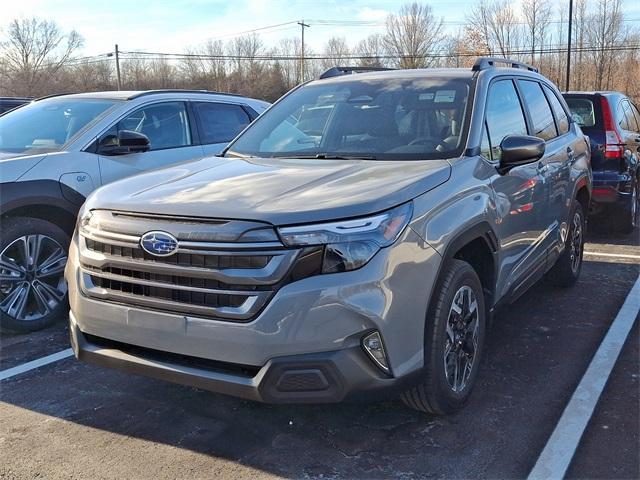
point(35, 50)
point(372, 50)
point(477, 27)
point(537, 15)
point(337, 52)
point(604, 34)
point(413, 34)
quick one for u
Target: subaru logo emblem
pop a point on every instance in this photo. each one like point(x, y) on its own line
point(160, 244)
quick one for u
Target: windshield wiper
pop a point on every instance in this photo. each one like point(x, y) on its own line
point(327, 156)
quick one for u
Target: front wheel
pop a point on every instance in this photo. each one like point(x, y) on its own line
point(454, 338)
point(33, 292)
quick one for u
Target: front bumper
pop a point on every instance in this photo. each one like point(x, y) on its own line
point(322, 377)
point(315, 324)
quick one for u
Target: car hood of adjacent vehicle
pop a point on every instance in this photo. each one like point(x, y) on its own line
point(275, 190)
point(14, 165)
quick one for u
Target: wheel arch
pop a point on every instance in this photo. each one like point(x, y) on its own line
point(478, 246)
point(44, 199)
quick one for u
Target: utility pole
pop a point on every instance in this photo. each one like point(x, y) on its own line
point(566, 86)
point(118, 81)
point(302, 25)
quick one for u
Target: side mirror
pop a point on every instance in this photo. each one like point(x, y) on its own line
point(126, 141)
point(520, 150)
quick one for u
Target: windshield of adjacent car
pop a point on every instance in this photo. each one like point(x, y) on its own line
point(46, 125)
point(386, 119)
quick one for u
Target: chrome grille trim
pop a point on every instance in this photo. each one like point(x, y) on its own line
point(113, 267)
point(132, 241)
point(246, 311)
point(272, 273)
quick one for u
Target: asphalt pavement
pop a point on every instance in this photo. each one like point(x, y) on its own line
point(72, 420)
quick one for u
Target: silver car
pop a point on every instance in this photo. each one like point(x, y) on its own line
point(57, 150)
point(353, 241)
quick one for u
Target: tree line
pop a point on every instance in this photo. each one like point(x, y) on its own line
point(38, 58)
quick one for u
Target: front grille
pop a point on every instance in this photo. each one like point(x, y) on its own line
point(218, 280)
point(167, 292)
point(184, 259)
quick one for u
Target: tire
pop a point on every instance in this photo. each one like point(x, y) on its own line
point(33, 293)
point(567, 268)
point(439, 393)
point(628, 218)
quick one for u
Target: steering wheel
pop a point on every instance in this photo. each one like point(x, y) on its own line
point(430, 141)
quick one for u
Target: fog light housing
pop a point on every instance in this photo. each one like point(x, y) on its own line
point(373, 346)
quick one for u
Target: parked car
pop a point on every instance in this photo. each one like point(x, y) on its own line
point(612, 122)
point(359, 258)
point(55, 151)
point(9, 103)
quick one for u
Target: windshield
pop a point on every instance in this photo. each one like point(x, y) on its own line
point(46, 125)
point(388, 119)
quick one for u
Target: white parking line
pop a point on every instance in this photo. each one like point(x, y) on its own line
point(559, 450)
point(613, 255)
point(25, 367)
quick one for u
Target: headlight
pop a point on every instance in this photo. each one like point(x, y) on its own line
point(350, 244)
point(84, 218)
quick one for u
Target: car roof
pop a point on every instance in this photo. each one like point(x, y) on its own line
point(133, 94)
point(592, 93)
point(400, 74)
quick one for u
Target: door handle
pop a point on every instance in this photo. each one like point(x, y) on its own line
point(570, 151)
point(542, 167)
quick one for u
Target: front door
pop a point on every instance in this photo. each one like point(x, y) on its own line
point(170, 140)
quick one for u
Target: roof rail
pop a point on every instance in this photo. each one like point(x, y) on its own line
point(179, 90)
point(52, 96)
point(338, 71)
point(482, 63)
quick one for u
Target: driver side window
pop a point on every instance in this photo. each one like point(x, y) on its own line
point(503, 114)
point(165, 124)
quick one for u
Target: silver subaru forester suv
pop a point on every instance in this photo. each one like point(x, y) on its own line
point(354, 241)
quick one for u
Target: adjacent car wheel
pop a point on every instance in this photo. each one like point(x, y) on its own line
point(454, 339)
point(629, 217)
point(33, 292)
point(569, 265)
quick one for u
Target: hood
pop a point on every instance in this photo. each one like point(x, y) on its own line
point(14, 165)
point(279, 191)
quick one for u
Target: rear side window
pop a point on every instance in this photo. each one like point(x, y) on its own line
point(582, 111)
point(220, 122)
point(561, 116)
point(543, 125)
point(504, 114)
point(632, 125)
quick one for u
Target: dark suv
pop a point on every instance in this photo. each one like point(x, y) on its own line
point(612, 122)
point(354, 240)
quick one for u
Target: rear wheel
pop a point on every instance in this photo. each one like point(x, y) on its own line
point(628, 219)
point(569, 265)
point(33, 293)
point(454, 339)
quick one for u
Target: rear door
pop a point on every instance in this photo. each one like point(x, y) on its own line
point(219, 123)
point(170, 134)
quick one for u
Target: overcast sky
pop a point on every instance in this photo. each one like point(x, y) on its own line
point(171, 26)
